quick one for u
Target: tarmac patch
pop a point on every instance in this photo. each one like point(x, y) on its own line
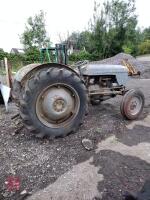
point(145, 122)
point(141, 150)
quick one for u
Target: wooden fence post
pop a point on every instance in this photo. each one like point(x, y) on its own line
point(8, 73)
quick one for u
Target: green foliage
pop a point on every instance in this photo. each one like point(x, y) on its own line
point(144, 47)
point(82, 55)
point(32, 55)
point(16, 60)
point(80, 41)
point(2, 54)
point(146, 34)
point(19, 60)
point(35, 32)
point(111, 30)
point(85, 41)
point(127, 49)
point(113, 26)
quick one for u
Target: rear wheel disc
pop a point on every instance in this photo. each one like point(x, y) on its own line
point(57, 105)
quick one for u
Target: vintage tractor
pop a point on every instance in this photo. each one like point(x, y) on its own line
point(53, 97)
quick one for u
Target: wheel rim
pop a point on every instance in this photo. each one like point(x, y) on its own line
point(57, 105)
point(134, 105)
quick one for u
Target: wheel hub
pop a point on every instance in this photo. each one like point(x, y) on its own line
point(135, 105)
point(59, 105)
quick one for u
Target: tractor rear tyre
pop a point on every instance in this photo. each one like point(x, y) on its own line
point(54, 102)
point(132, 104)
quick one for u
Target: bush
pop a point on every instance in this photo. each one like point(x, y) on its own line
point(82, 55)
point(16, 60)
point(32, 55)
point(127, 50)
point(19, 60)
point(2, 54)
point(144, 47)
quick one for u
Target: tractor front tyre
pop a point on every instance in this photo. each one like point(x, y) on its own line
point(132, 104)
point(54, 102)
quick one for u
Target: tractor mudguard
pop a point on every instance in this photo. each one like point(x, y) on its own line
point(25, 72)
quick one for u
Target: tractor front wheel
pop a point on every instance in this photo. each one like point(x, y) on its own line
point(132, 104)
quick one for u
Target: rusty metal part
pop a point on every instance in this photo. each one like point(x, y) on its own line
point(23, 72)
point(104, 86)
point(106, 93)
point(57, 105)
point(132, 71)
point(134, 105)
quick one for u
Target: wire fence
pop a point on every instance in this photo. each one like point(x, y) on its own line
point(14, 65)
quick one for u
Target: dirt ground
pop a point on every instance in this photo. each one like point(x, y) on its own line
point(63, 169)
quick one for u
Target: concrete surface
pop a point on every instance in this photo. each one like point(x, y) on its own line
point(144, 58)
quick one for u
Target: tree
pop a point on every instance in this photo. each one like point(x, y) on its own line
point(98, 29)
point(146, 34)
point(84, 40)
point(35, 34)
point(32, 55)
point(113, 27)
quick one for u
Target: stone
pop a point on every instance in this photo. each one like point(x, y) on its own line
point(87, 144)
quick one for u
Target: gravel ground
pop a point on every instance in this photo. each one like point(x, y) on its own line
point(52, 164)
